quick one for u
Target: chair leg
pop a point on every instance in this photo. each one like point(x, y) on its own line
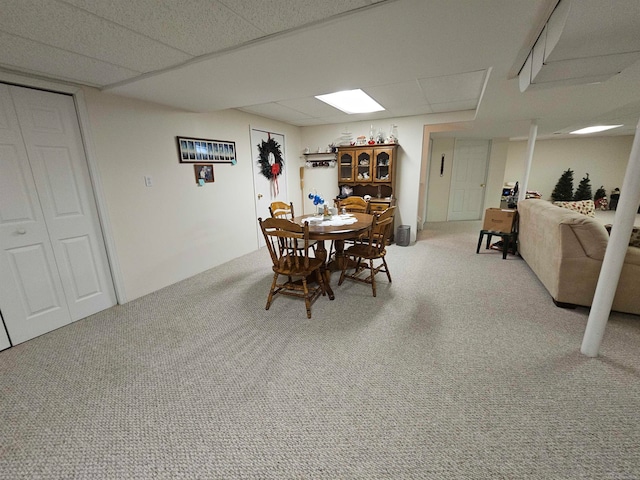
point(386, 269)
point(479, 242)
point(307, 303)
point(373, 277)
point(488, 241)
point(345, 260)
point(273, 288)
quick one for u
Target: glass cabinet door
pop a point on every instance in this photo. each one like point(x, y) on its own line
point(382, 168)
point(363, 166)
point(345, 165)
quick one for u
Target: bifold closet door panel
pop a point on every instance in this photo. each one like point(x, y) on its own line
point(51, 133)
point(32, 300)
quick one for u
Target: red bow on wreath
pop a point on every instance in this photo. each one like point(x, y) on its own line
point(275, 171)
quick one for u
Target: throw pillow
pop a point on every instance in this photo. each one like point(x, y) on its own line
point(634, 241)
point(585, 207)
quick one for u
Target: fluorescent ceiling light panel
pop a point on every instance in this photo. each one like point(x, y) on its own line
point(594, 129)
point(351, 101)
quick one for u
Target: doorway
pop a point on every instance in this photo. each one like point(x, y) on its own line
point(468, 179)
point(267, 190)
point(53, 262)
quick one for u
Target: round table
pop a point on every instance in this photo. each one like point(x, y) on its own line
point(337, 233)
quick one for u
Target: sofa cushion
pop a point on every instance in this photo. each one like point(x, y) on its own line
point(585, 207)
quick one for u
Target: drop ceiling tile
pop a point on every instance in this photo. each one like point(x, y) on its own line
point(68, 28)
point(277, 15)
point(310, 106)
point(451, 88)
point(390, 96)
point(197, 27)
point(411, 109)
point(454, 106)
point(276, 111)
point(21, 54)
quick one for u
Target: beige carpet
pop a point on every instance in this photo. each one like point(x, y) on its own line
point(462, 368)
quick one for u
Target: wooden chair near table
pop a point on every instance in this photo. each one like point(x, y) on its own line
point(281, 210)
point(288, 245)
point(285, 210)
point(350, 205)
point(353, 204)
point(369, 248)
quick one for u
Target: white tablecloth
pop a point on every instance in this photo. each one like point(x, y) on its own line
point(334, 221)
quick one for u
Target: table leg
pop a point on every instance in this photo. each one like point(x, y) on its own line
point(321, 253)
point(339, 258)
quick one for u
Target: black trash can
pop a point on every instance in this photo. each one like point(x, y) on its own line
point(403, 236)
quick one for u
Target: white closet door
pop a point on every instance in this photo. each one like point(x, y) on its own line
point(57, 188)
point(470, 161)
point(31, 298)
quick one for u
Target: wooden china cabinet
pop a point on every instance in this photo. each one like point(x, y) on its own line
point(369, 170)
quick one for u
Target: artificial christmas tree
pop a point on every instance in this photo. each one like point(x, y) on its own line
point(600, 198)
point(583, 192)
point(564, 188)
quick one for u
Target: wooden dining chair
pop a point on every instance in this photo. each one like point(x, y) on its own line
point(370, 248)
point(353, 204)
point(282, 210)
point(350, 204)
point(285, 210)
point(283, 238)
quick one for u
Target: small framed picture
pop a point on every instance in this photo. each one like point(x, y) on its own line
point(200, 150)
point(203, 172)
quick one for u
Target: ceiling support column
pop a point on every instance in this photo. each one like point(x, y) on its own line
point(533, 133)
point(615, 253)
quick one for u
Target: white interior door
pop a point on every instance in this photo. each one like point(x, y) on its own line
point(264, 190)
point(53, 262)
point(466, 197)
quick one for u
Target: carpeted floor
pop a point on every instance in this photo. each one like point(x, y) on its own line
point(462, 368)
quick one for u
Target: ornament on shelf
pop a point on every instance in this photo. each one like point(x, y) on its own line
point(393, 134)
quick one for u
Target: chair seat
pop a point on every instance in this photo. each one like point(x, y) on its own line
point(365, 251)
point(286, 268)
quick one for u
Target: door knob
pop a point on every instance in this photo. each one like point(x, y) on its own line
point(21, 231)
point(259, 196)
point(483, 185)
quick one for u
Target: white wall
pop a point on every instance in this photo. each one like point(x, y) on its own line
point(175, 229)
point(604, 158)
point(410, 129)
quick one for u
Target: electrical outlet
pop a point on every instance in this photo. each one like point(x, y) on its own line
point(148, 181)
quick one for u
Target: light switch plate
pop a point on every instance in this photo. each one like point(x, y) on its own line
point(148, 181)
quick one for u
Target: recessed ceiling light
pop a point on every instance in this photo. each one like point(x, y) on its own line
point(351, 101)
point(594, 129)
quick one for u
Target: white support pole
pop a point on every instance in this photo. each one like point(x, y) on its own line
point(616, 251)
point(533, 133)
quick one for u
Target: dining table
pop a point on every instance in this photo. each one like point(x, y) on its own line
point(337, 228)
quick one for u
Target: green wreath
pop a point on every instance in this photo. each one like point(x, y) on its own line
point(267, 168)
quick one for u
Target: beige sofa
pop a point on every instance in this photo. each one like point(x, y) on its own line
point(565, 250)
